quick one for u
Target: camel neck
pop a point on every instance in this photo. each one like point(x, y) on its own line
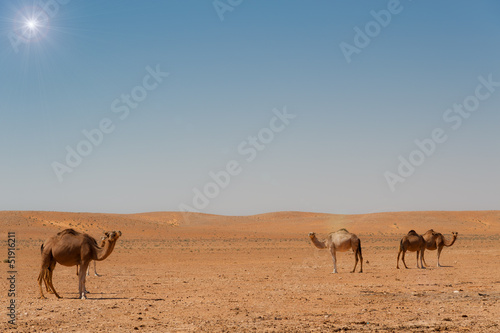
point(104, 252)
point(319, 244)
point(450, 243)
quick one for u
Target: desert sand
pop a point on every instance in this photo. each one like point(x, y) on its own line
point(173, 272)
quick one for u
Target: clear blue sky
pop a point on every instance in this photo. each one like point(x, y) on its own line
point(353, 119)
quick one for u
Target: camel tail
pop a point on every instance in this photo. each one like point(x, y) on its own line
point(41, 248)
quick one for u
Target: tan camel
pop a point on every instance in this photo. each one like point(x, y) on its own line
point(70, 248)
point(103, 242)
point(342, 241)
point(412, 242)
point(435, 240)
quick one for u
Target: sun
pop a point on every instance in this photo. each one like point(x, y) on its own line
point(32, 24)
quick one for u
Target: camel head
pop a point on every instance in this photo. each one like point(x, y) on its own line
point(113, 235)
point(312, 235)
point(455, 234)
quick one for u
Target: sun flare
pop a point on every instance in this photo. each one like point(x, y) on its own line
point(31, 24)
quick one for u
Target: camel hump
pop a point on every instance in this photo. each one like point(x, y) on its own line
point(412, 232)
point(68, 231)
point(343, 230)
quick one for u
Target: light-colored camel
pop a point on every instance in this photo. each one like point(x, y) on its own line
point(342, 241)
point(435, 240)
point(70, 248)
point(412, 242)
point(103, 241)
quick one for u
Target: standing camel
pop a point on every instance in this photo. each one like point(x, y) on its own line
point(70, 248)
point(341, 241)
point(412, 242)
point(435, 240)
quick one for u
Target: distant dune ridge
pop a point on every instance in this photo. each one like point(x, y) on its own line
point(161, 224)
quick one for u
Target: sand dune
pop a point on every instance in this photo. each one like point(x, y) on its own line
point(161, 224)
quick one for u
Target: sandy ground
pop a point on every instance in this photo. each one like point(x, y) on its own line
point(175, 273)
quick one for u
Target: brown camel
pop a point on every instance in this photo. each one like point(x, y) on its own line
point(411, 242)
point(435, 240)
point(342, 241)
point(70, 248)
point(103, 241)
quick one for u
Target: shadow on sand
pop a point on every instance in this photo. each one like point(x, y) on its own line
point(108, 296)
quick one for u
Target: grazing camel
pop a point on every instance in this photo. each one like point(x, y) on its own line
point(435, 240)
point(411, 242)
point(103, 241)
point(342, 241)
point(70, 248)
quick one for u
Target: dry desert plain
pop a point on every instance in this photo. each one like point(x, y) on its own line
point(171, 272)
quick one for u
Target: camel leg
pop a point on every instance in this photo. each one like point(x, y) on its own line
point(403, 259)
point(45, 276)
point(49, 281)
point(46, 262)
point(95, 269)
point(439, 255)
point(334, 258)
point(357, 256)
point(417, 258)
point(40, 279)
point(45, 279)
point(421, 258)
point(355, 261)
point(360, 258)
point(88, 274)
point(397, 264)
point(81, 280)
point(48, 277)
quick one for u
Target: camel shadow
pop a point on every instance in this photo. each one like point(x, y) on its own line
point(108, 296)
point(442, 266)
point(94, 296)
point(105, 298)
point(135, 298)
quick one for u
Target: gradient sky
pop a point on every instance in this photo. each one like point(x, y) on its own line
point(353, 120)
